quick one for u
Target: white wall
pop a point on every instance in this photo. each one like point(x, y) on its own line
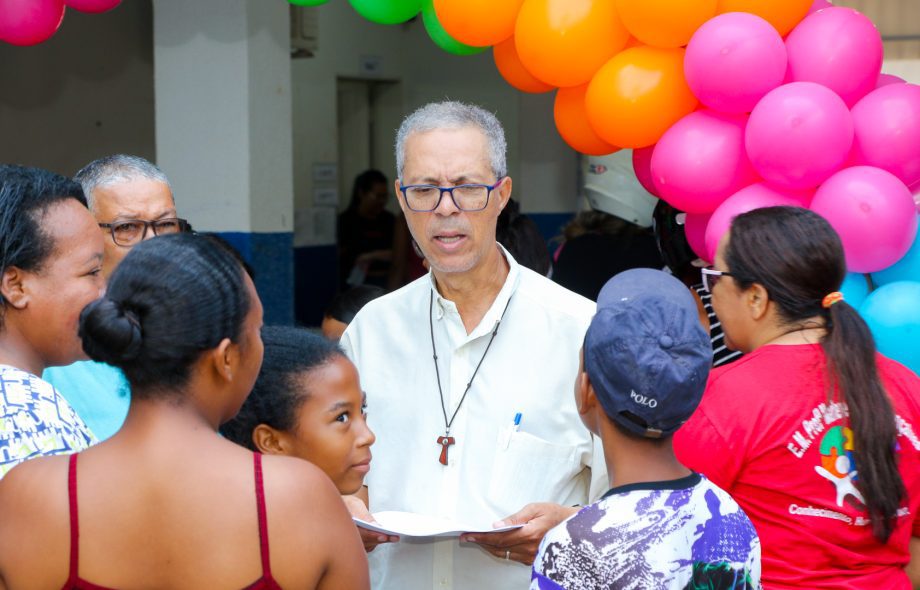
point(85, 93)
point(542, 166)
point(223, 110)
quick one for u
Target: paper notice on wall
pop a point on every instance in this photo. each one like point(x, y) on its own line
point(314, 226)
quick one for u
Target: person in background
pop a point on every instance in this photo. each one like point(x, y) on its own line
point(597, 246)
point(344, 307)
point(643, 370)
point(166, 502)
point(812, 431)
point(132, 201)
point(307, 402)
point(365, 233)
point(522, 238)
point(684, 264)
point(408, 261)
point(50, 267)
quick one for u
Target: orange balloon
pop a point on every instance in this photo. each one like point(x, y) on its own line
point(478, 22)
point(665, 23)
point(636, 96)
point(633, 42)
point(513, 71)
point(564, 42)
point(784, 15)
point(572, 123)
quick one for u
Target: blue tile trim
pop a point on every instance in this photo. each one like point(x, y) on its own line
point(271, 255)
point(316, 276)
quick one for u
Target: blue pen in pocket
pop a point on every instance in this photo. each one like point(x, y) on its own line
point(508, 432)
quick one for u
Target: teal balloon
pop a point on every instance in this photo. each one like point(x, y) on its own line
point(440, 36)
point(893, 314)
point(307, 2)
point(905, 269)
point(855, 289)
point(387, 12)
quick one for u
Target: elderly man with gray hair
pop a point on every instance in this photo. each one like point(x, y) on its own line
point(469, 373)
point(132, 201)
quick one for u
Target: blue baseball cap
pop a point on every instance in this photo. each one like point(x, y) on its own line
point(646, 353)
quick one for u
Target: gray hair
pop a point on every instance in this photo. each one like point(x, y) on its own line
point(454, 115)
point(115, 169)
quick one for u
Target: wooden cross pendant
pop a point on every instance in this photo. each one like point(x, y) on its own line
point(445, 442)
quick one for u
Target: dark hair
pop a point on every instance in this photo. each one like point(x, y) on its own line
point(170, 299)
point(277, 394)
point(798, 258)
point(363, 183)
point(346, 305)
point(668, 224)
point(520, 235)
point(26, 194)
point(230, 249)
point(592, 221)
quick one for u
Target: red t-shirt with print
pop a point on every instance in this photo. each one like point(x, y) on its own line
point(767, 434)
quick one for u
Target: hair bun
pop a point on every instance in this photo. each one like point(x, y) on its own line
point(111, 334)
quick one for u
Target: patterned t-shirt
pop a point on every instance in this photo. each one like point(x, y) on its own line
point(679, 534)
point(35, 420)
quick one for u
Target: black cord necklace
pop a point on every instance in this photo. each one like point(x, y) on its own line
point(447, 440)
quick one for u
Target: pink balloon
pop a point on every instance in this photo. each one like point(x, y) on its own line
point(733, 60)
point(700, 161)
point(819, 5)
point(886, 124)
point(886, 79)
point(747, 199)
point(695, 232)
point(92, 6)
point(874, 214)
point(839, 48)
point(642, 162)
point(29, 22)
point(798, 135)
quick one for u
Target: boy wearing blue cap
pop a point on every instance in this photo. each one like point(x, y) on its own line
point(644, 366)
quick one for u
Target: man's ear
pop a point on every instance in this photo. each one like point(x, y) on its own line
point(269, 441)
point(758, 301)
point(504, 193)
point(13, 288)
point(399, 196)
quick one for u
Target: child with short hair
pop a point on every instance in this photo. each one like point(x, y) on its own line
point(307, 402)
point(644, 366)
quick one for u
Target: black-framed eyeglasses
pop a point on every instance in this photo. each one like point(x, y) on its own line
point(129, 232)
point(466, 197)
point(712, 276)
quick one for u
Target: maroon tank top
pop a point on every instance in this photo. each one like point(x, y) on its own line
point(74, 582)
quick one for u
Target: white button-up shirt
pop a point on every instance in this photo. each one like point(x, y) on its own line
point(493, 471)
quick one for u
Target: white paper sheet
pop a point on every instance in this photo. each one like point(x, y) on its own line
point(408, 524)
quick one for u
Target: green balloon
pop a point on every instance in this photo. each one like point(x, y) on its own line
point(440, 36)
point(307, 2)
point(387, 12)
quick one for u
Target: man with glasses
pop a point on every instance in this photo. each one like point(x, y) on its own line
point(469, 373)
point(132, 201)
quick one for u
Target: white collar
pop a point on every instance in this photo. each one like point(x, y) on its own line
point(487, 324)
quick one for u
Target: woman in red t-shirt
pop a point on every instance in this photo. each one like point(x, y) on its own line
point(815, 434)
